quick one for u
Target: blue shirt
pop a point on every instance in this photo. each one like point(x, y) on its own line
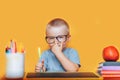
point(52, 64)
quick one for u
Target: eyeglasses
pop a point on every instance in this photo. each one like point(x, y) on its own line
point(60, 38)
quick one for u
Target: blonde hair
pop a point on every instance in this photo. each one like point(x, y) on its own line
point(57, 22)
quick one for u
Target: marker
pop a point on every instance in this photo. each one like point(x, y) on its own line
point(8, 50)
point(15, 47)
point(21, 48)
point(12, 46)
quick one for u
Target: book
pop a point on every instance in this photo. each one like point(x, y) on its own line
point(110, 72)
point(111, 68)
point(108, 75)
point(111, 63)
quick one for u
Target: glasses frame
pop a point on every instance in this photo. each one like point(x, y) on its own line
point(66, 36)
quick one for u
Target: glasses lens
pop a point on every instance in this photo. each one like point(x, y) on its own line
point(62, 38)
point(50, 39)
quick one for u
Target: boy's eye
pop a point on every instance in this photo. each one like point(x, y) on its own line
point(50, 37)
point(60, 36)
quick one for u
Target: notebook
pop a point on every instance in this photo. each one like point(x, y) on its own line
point(62, 75)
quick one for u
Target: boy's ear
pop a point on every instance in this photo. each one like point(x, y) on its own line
point(68, 37)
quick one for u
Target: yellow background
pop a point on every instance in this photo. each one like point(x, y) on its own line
point(94, 25)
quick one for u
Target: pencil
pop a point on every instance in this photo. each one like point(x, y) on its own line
point(39, 52)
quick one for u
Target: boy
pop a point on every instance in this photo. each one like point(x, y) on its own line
point(58, 58)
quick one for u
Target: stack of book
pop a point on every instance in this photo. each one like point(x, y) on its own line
point(109, 69)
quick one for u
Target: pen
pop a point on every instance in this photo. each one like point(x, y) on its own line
point(41, 69)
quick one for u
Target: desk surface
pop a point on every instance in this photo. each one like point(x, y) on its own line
point(62, 75)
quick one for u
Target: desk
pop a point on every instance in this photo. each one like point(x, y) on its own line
point(59, 76)
point(63, 76)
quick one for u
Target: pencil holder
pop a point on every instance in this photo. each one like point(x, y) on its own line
point(15, 65)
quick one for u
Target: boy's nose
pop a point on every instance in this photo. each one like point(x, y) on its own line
point(56, 41)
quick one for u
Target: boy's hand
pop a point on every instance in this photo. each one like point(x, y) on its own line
point(57, 48)
point(40, 67)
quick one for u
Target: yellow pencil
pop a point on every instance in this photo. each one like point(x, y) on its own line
point(39, 52)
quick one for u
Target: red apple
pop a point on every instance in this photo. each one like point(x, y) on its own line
point(110, 53)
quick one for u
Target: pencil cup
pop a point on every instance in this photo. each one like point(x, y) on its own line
point(15, 65)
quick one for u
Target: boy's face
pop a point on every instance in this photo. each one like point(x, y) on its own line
point(57, 35)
